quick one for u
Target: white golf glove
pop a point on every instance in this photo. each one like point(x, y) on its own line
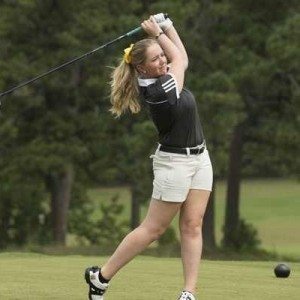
point(159, 17)
point(164, 23)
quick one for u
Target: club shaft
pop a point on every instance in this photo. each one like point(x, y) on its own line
point(130, 33)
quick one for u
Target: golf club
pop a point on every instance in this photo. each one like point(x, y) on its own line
point(52, 70)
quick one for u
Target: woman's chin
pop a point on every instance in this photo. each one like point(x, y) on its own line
point(164, 72)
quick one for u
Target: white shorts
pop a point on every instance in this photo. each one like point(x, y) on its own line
point(176, 174)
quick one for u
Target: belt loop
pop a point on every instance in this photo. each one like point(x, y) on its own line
point(157, 149)
point(188, 151)
point(199, 149)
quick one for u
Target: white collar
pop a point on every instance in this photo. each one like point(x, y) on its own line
point(146, 81)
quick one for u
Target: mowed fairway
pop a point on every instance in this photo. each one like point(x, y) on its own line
point(33, 276)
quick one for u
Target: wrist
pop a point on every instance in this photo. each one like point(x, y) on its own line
point(159, 34)
point(168, 28)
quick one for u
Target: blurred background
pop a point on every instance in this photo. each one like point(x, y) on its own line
point(73, 178)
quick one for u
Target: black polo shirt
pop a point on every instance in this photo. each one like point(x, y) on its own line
point(174, 115)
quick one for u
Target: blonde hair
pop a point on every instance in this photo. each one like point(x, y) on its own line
point(124, 84)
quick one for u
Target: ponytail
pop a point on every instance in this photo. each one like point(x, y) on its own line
point(124, 90)
point(124, 83)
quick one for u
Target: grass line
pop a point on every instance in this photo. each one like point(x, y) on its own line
point(38, 277)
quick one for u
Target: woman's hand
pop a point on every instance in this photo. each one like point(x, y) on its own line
point(151, 27)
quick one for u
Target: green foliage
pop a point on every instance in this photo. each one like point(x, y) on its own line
point(19, 218)
point(111, 230)
point(225, 109)
point(169, 238)
point(48, 125)
point(244, 67)
point(275, 116)
point(138, 145)
point(106, 231)
point(244, 238)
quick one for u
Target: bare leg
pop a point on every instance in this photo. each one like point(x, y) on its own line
point(158, 218)
point(190, 223)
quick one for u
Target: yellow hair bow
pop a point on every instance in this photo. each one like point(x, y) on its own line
point(127, 54)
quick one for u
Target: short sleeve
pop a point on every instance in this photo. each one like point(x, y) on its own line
point(165, 89)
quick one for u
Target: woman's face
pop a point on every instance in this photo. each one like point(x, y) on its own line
point(155, 64)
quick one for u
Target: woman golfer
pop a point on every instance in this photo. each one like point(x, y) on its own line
point(153, 70)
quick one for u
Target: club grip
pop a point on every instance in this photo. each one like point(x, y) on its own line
point(138, 29)
point(134, 31)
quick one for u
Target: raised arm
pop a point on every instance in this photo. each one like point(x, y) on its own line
point(168, 28)
point(176, 60)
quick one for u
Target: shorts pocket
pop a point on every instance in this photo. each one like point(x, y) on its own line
point(163, 171)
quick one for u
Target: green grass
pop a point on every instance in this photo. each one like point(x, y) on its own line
point(33, 276)
point(272, 206)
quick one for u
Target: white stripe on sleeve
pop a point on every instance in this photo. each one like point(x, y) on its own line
point(170, 84)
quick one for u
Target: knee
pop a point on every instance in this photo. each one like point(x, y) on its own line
point(155, 232)
point(191, 228)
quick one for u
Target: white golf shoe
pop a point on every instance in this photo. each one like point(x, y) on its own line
point(186, 296)
point(96, 288)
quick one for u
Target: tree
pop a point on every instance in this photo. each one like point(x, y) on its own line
point(61, 126)
point(57, 135)
point(219, 103)
point(48, 115)
point(253, 72)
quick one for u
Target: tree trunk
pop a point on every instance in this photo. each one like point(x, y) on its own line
point(135, 208)
point(209, 239)
point(60, 189)
point(232, 213)
point(4, 222)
